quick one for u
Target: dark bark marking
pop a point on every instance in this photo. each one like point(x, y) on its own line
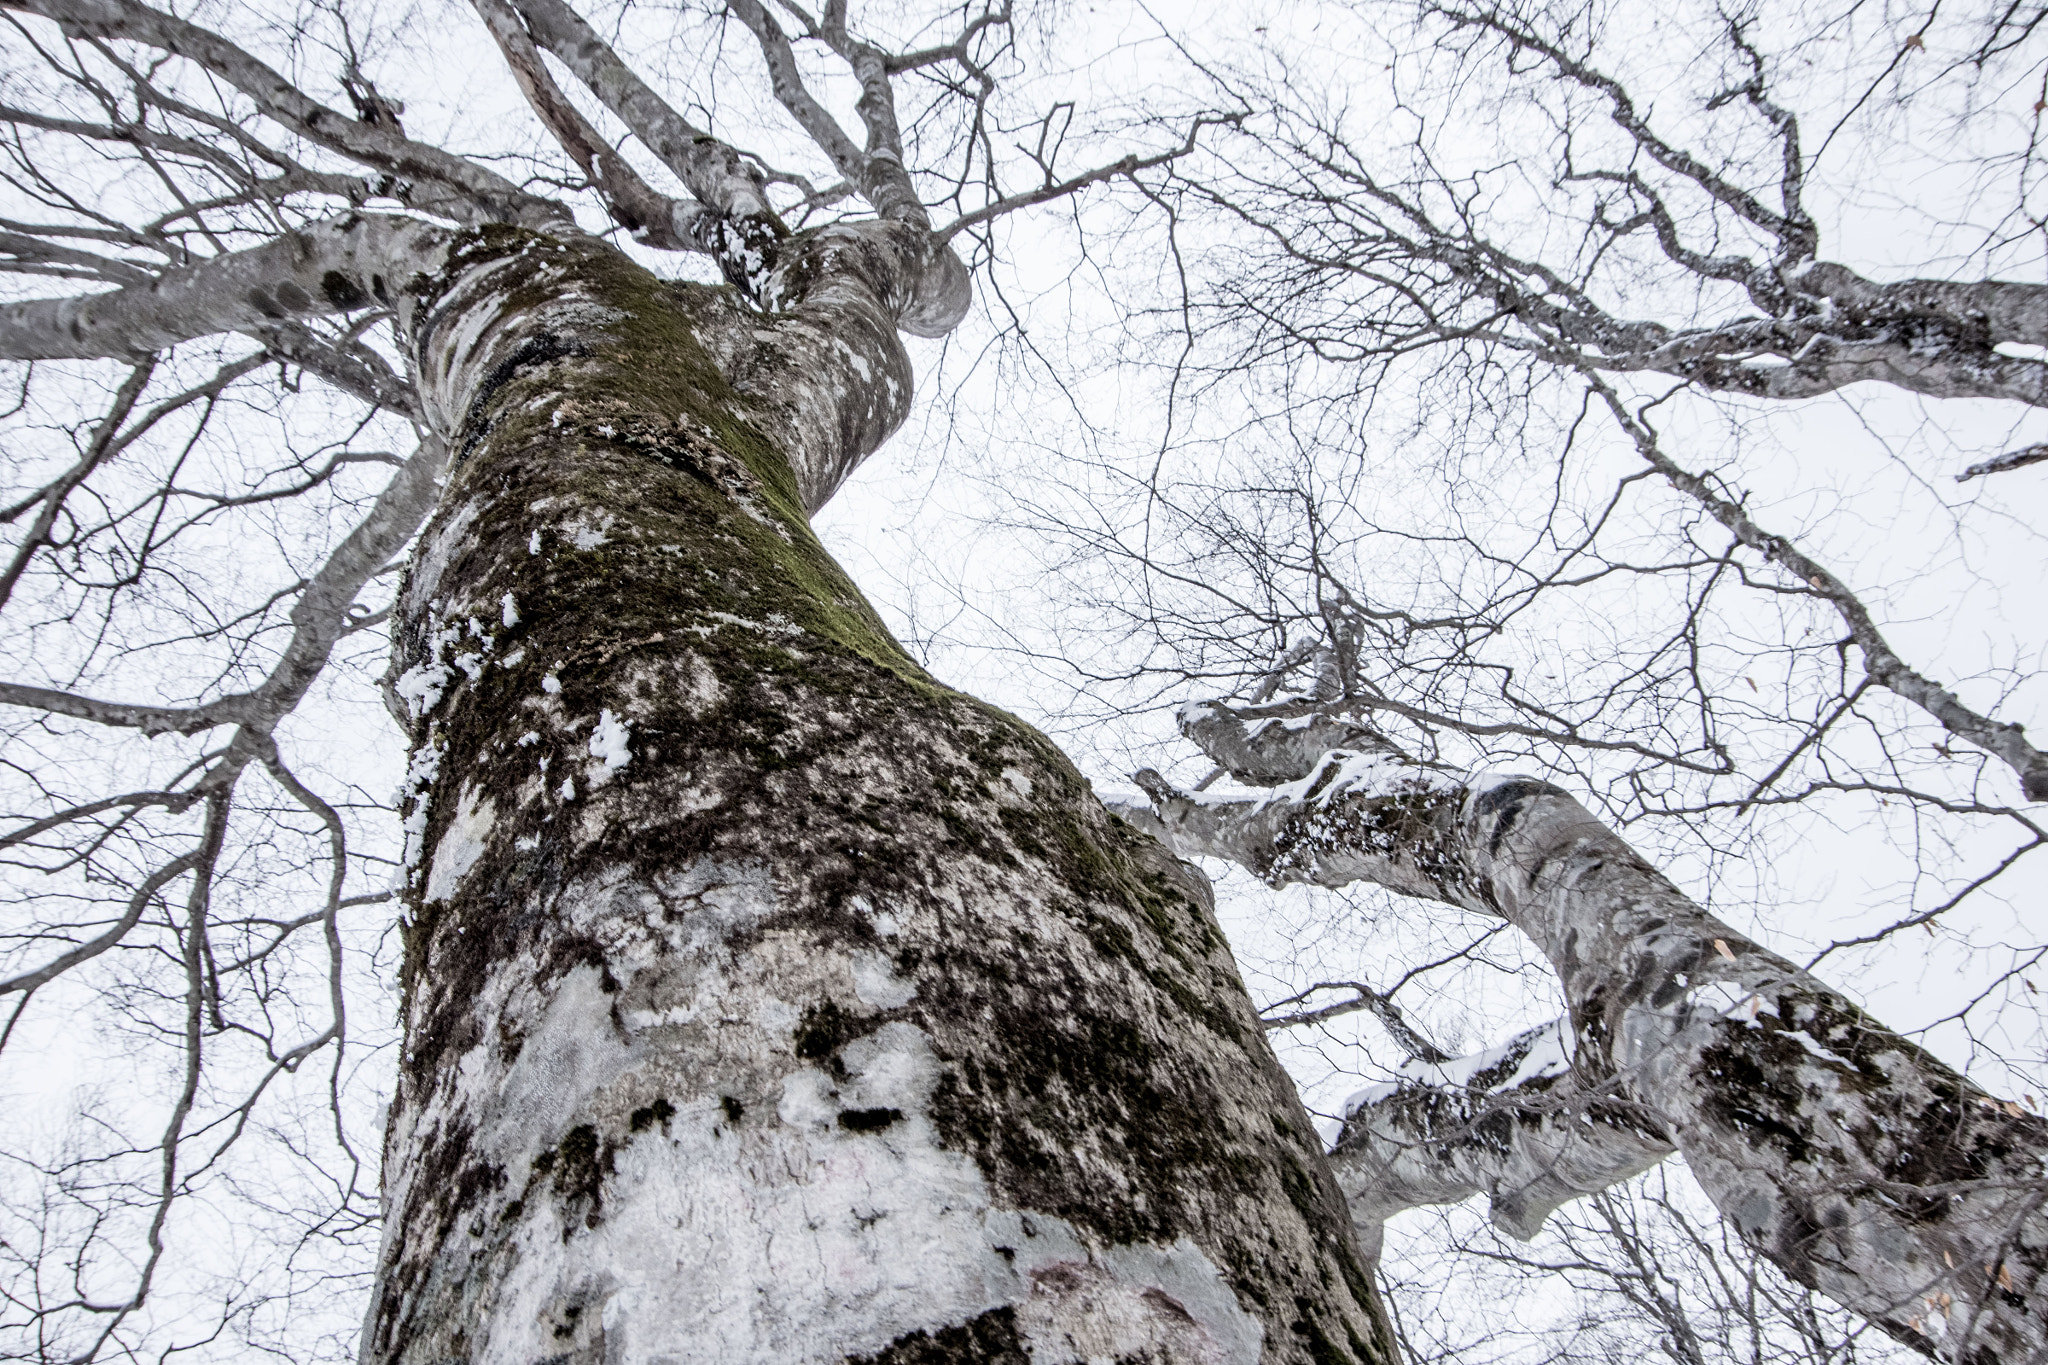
point(990, 1339)
point(343, 292)
point(825, 1028)
point(1507, 799)
point(538, 349)
point(263, 303)
point(647, 1115)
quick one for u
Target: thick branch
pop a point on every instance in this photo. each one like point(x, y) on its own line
point(2007, 310)
point(795, 96)
point(1802, 360)
point(1516, 1123)
point(1271, 750)
point(742, 231)
point(1860, 1164)
point(355, 369)
point(326, 267)
point(878, 170)
point(656, 219)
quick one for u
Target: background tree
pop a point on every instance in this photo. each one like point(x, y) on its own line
point(1423, 497)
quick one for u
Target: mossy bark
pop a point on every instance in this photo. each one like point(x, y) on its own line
point(766, 999)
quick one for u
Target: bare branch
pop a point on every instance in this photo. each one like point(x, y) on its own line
point(1999, 464)
point(1677, 1007)
point(2007, 742)
point(669, 224)
point(1517, 1123)
point(319, 619)
point(467, 191)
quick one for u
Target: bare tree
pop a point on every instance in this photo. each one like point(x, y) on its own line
point(762, 997)
point(1653, 1272)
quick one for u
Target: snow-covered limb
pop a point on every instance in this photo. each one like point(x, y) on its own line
point(1804, 359)
point(1355, 817)
point(355, 261)
point(1280, 743)
point(1859, 1163)
point(1516, 1123)
point(1998, 310)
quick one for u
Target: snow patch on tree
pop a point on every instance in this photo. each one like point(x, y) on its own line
point(462, 843)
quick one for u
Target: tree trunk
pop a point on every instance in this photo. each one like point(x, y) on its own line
point(766, 1000)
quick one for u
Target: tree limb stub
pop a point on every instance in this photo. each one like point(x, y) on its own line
point(1860, 1164)
point(1999, 464)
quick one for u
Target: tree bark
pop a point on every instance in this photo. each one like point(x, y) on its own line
point(766, 1000)
point(1516, 1123)
point(1859, 1163)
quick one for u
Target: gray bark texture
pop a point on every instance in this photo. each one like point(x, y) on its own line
point(350, 262)
point(1511, 1124)
point(1860, 1164)
point(766, 1000)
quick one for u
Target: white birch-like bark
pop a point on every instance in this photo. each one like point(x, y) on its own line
point(427, 177)
point(354, 261)
point(1860, 1164)
point(1516, 1123)
point(765, 1000)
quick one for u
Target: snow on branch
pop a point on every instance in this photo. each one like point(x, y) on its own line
point(332, 266)
point(1515, 1123)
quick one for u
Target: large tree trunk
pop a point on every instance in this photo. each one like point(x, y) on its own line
point(766, 1000)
